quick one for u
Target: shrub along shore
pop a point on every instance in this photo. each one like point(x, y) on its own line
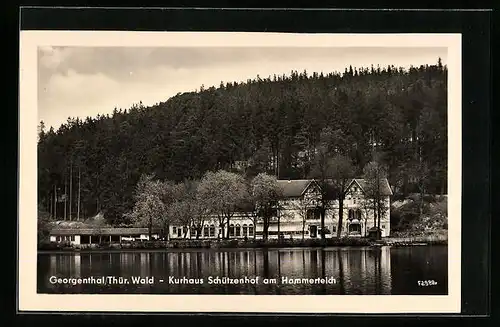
point(250, 243)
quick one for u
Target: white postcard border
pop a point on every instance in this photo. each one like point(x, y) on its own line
point(29, 300)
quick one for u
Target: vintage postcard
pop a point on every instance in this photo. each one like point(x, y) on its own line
point(240, 172)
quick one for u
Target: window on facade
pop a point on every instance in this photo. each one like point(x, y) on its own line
point(351, 214)
point(174, 229)
point(313, 214)
point(355, 228)
point(192, 231)
point(73, 238)
point(211, 231)
point(358, 214)
point(184, 230)
point(245, 230)
point(238, 230)
point(250, 230)
point(383, 226)
point(231, 230)
point(205, 231)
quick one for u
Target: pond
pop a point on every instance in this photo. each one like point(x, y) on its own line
point(287, 271)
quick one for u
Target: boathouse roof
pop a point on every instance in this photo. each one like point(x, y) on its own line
point(101, 231)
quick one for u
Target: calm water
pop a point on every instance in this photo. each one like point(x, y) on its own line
point(349, 270)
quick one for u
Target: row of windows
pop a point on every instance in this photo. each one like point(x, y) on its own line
point(65, 238)
point(209, 231)
point(316, 214)
point(238, 231)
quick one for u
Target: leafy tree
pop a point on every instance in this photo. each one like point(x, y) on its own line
point(323, 172)
point(149, 209)
point(248, 206)
point(420, 173)
point(342, 172)
point(223, 193)
point(374, 176)
point(43, 225)
point(187, 208)
point(266, 192)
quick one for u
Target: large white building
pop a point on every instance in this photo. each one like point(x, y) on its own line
point(297, 216)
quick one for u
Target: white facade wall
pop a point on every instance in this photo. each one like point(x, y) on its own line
point(72, 239)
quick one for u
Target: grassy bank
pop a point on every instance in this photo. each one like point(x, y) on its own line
point(235, 244)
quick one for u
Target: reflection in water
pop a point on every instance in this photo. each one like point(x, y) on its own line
point(77, 270)
point(356, 270)
point(341, 273)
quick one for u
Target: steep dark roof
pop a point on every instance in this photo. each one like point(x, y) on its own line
point(294, 187)
point(102, 231)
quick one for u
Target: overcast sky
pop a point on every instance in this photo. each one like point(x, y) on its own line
point(86, 81)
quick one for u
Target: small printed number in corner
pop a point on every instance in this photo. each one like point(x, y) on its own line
point(429, 282)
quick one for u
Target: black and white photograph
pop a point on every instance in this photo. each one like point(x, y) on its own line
point(242, 164)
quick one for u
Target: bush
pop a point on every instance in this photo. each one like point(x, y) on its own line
point(407, 217)
point(46, 245)
point(43, 227)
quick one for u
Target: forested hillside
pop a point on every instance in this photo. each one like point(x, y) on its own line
point(271, 125)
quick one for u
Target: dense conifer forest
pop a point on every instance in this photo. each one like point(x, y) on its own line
point(273, 125)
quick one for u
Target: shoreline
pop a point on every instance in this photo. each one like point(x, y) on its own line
point(187, 244)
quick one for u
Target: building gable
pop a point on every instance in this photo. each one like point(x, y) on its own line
point(299, 187)
point(359, 185)
point(355, 188)
point(312, 189)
